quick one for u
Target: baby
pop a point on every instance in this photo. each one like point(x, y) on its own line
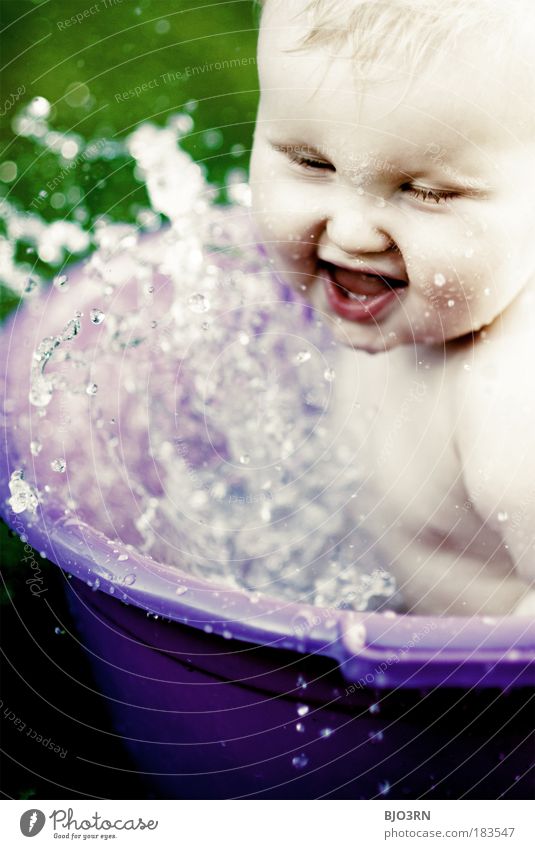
point(393, 179)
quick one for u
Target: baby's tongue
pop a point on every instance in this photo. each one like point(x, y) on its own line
point(359, 283)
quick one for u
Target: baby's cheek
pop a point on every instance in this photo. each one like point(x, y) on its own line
point(284, 216)
point(268, 222)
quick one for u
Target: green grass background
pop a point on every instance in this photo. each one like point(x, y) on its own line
point(85, 68)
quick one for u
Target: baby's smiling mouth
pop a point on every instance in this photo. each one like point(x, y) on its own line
point(359, 295)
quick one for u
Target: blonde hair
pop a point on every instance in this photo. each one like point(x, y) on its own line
point(415, 31)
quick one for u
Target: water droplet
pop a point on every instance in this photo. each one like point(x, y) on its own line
point(302, 357)
point(326, 732)
point(71, 329)
point(97, 316)
point(329, 374)
point(227, 635)
point(59, 631)
point(31, 284)
point(502, 516)
point(58, 465)
point(39, 107)
point(376, 736)
point(356, 637)
point(122, 557)
point(40, 391)
point(301, 682)
point(384, 788)
point(374, 708)
point(45, 349)
point(181, 590)
point(302, 710)
point(61, 281)
point(300, 761)
point(486, 291)
point(439, 280)
point(245, 459)
point(244, 338)
point(35, 447)
point(198, 303)
point(451, 303)
point(300, 727)
point(91, 389)
point(23, 496)
point(130, 579)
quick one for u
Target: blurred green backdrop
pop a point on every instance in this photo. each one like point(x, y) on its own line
point(105, 67)
point(83, 67)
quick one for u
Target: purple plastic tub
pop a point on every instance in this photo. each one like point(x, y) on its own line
point(220, 694)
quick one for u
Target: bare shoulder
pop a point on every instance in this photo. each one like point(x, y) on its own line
point(493, 386)
point(494, 415)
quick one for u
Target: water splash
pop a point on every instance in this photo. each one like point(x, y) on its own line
point(197, 423)
point(23, 496)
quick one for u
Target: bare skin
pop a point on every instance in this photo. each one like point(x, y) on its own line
point(405, 213)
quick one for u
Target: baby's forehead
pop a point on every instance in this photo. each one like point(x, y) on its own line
point(389, 38)
point(464, 91)
point(375, 24)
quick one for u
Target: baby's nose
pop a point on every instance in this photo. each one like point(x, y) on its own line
point(357, 231)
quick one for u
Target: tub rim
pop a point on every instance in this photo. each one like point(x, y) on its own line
point(376, 650)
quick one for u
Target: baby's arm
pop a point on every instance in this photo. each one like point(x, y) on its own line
point(496, 442)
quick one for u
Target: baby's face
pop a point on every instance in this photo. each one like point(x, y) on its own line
point(405, 210)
